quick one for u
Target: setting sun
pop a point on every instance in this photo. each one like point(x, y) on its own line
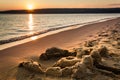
point(30, 7)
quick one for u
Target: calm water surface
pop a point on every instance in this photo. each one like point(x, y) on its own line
point(16, 25)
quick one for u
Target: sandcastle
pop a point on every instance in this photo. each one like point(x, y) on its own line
point(83, 64)
point(78, 68)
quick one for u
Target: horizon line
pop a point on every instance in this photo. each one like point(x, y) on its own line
point(56, 8)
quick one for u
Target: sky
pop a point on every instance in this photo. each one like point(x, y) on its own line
point(39, 4)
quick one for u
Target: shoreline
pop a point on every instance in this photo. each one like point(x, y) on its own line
point(69, 39)
point(4, 44)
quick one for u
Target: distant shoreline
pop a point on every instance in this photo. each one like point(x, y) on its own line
point(63, 11)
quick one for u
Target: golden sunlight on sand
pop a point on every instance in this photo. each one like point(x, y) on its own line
point(34, 38)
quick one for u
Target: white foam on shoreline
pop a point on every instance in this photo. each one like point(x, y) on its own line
point(28, 38)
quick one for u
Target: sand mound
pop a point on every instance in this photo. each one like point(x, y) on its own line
point(84, 68)
point(91, 43)
point(83, 51)
point(54, 52)
point(67, 71)
point(103, 51)
point(96, 56)
point(66, 62)
point(54, 71)
point(88, 61)
point(31, 66)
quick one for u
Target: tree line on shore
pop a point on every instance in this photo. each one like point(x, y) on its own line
point(63, 11)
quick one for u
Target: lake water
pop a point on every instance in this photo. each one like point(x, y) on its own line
point(15, 27)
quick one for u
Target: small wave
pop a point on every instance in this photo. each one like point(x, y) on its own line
point(22, 30)
point(12, 33)
point(29, 35)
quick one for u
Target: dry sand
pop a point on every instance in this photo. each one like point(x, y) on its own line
point(11, 57)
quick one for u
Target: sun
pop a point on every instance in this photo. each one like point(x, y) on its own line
point(30, 7)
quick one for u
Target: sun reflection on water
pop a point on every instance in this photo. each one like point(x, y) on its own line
point(30, 22)
point(31, 27)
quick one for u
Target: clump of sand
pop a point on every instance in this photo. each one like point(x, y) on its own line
point(66, 62)
point(55, 52)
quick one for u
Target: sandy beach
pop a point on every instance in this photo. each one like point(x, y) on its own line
point(74, 38)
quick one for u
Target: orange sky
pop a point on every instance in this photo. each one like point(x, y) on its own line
point(37, 4)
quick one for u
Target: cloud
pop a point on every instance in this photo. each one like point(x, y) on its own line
point(115, 4)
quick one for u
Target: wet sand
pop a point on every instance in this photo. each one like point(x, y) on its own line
point(11, 57)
